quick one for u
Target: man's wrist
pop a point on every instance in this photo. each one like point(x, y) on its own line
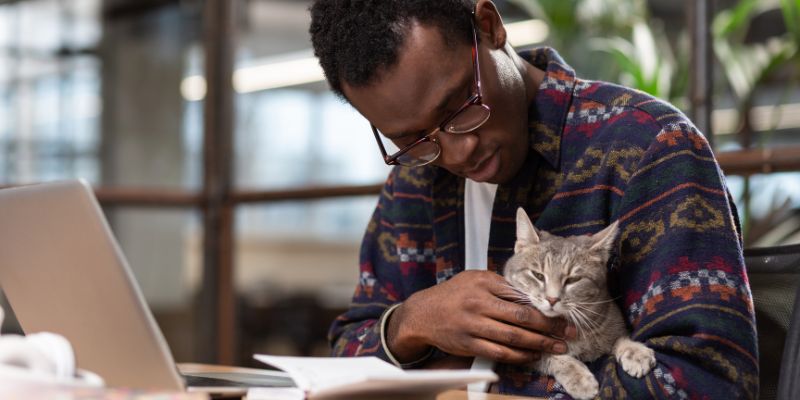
point(399, 346)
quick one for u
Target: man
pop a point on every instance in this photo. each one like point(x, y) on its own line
point(576, 155)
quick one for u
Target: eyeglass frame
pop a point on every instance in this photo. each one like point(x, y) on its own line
point(474, 99)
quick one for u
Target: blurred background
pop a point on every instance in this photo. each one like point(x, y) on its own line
point(239, 186)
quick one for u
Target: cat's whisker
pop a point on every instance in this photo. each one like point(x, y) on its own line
point(590, 323)
point(586, 328)
point(575, 320)
point(582, 322)
point(513, 288)
point(599, 302)
point(517, 296)
point(521, 300)
point(584, 308)
point(587, 323)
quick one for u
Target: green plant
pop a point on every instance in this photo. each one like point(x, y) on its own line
point(646, 62)
point(625, 45)
point(622, 44)
point(573, 23)
point(747, 66)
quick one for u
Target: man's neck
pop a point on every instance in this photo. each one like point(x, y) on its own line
point(533, 79)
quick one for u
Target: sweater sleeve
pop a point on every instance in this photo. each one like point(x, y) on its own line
point(681, 277)
point(357, 331)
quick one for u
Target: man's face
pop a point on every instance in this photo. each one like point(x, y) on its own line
point(431, 80)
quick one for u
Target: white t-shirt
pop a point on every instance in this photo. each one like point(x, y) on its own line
point(478, 202)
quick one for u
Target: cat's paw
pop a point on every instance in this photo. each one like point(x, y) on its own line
point(581, 385)
point(636, 358)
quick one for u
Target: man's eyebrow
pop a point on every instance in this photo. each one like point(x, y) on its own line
point(438, 110)
point(448, 99)
point(403, 134)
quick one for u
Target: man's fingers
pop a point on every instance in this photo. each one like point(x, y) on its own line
point(468, 316)
point(526, 316)
point(510, 310)
point(504, 354)
point(516, 337)
point(500, 287)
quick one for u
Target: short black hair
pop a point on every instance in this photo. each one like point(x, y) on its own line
point(356, 39)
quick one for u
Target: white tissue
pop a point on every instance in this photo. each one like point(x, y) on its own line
point(42, 358)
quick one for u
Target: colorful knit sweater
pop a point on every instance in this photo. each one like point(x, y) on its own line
point(599, 153)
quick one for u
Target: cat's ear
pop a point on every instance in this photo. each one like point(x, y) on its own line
point(526, 232)
point(604, 240)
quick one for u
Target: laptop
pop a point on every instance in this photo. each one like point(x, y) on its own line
point(62, 271)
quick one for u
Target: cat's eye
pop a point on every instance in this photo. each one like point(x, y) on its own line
point(571, 280)
point(537, 275)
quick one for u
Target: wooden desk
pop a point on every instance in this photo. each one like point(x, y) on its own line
point(94, 394)
point(124, 394)
point(463, 395)
point(33, 392)
point(448, 395)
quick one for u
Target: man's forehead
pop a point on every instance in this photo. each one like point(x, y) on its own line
point(427, 70)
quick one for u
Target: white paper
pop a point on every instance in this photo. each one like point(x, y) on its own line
point(320, 372)
point(329, 377)
point(275, 394)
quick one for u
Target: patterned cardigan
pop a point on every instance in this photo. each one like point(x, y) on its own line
point(599, 153)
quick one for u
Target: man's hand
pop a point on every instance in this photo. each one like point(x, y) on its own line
point(470, 315)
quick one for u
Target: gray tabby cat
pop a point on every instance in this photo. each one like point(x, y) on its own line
point(566, 277)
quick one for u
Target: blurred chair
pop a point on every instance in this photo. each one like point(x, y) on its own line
point(774, 274)
point(294, 325)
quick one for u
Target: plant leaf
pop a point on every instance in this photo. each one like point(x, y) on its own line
point(730, 21)
point(645, 47)
point(791, 16)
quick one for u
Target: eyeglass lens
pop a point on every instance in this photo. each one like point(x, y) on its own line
point(468, 119)
point(422, 153)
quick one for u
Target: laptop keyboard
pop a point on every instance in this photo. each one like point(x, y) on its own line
point(238, 379)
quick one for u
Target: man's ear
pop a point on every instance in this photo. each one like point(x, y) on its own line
point(526, 232)
point(489, 24)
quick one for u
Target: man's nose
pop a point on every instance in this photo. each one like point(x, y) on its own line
point(457, 148)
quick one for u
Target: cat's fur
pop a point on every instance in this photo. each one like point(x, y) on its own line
point(571, 272)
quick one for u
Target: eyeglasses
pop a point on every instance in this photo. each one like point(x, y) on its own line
point(470, 116)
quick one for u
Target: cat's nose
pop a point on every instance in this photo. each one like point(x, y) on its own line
point(552, 300)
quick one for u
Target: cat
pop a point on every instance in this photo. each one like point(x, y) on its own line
point(566, 277)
